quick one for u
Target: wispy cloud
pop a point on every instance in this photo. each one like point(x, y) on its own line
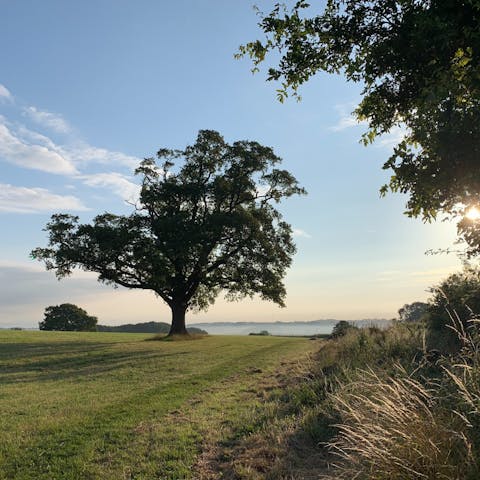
point(76, 152)
point(392, 138)
point(83, 154)
point(434, 272)
point(33, 137)
point(20, 265)
point(72, 157)
point(35, 200)
point(346, 121)
point(5, 94)
point(297, 232)
point(116, 182)
point(20, 152)
point(346, 118)
point(423, 277)
point(52, 121)
point(27, 289)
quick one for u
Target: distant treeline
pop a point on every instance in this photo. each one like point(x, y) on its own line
point(147, 327)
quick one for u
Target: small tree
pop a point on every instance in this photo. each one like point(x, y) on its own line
point(413, 312)
point(208, 227)
point(68, 318)
point(454, 303)
point(458, 296)
point(341, 328)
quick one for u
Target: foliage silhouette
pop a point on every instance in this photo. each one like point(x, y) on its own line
point(413, 312)
point(208, 227)
point(68, 317)
point(418, 62)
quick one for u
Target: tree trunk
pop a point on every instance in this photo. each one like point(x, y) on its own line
point(178, 320)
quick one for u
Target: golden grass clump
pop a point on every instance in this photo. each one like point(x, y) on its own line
point(390, 429)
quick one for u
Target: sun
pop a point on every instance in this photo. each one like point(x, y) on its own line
point(473, 213)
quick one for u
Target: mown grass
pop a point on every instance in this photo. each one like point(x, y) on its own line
point(114, 406)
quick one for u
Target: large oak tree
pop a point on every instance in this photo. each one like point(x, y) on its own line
point(419, 64)
point(205, 227)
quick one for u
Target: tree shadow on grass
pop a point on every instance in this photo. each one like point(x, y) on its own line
point(288, 455)
point(276, 441)
point(33, 362)
point(18, 350)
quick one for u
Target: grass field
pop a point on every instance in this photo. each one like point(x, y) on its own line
point(115, 406)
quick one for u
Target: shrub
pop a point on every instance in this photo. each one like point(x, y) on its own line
point(413, 312)
point(372, 346)
point(341, 328)
point(451, 305)
point(263, 333)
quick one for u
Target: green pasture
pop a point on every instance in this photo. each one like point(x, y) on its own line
point(117, 406)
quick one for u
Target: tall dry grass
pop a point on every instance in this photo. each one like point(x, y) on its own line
point(391, 430)
point(409, 423)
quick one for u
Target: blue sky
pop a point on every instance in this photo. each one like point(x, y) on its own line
point(89, 88)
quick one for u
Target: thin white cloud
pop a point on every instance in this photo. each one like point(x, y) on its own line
point(346, 121)
point(50, 120)
point(346, 118)
point(31, 266)
point(424, 277)
point(5, 94)
point(80, 154)
point(29, 136)
point(27, 289)
point(262, 190)
point(297, 232)
point(117, 183)
point(83, 154)
point(27, 148)
point(19, 152)
point(35, 200)
point(434, 272)
point(392, 138)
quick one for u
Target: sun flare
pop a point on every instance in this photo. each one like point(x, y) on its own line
point(473, 213)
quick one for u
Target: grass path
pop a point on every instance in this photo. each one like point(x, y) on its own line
point(113, 406)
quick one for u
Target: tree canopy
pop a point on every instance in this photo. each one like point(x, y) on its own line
point(418, 61)
point(341, 329)
point(68, 317)
point(413, 312)
point(206, 227)
point(454, 307)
